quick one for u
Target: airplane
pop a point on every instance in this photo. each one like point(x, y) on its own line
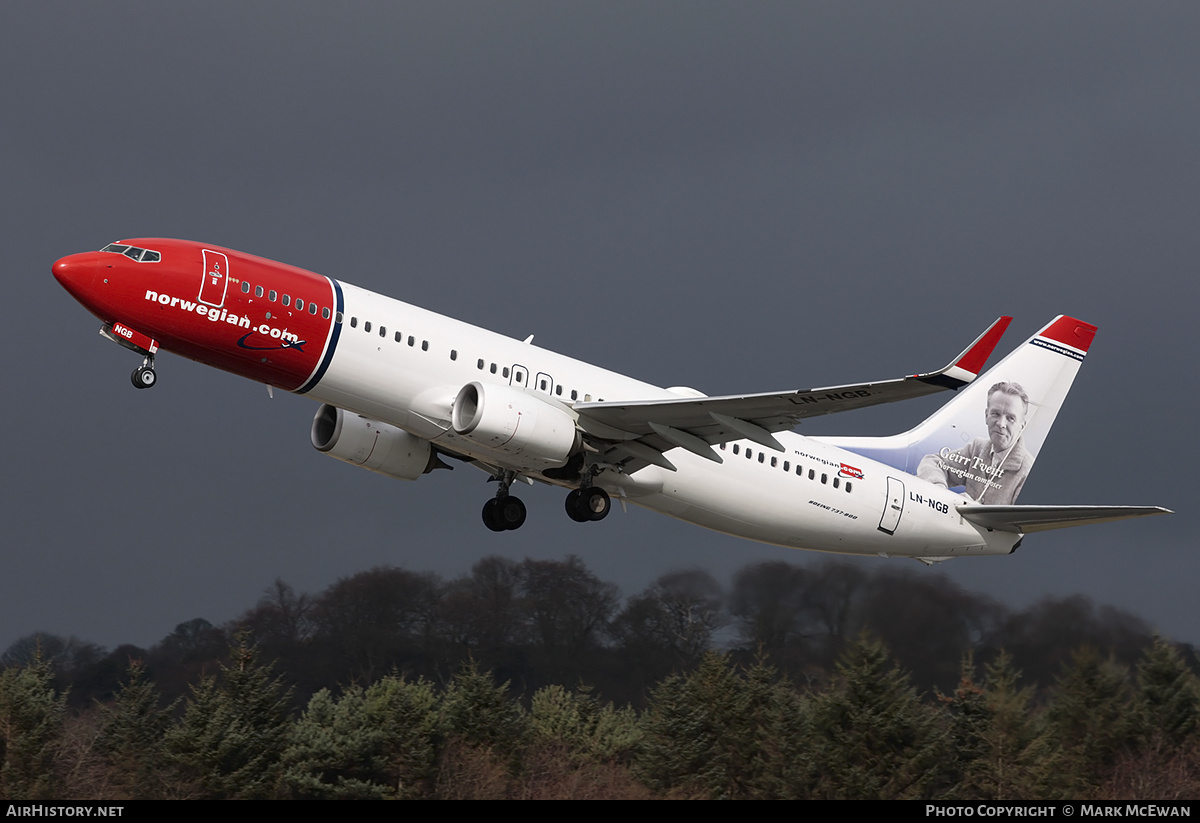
point(403, 390)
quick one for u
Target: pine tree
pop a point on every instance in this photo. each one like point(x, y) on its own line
point(377, 743)
point(233, 732)
point(332, 754)
point(484, 731)
point(997, 749)
point(31, 718)
point(1089, 716)
point(478, 711)
point(781, 747)
point(585, 728)
point(969, 718)
point(407, 712)
point(694, 733)
point(1163, 757)
point(131, 738)
point(873, 738)
point(719, 733)
point(1168, 695)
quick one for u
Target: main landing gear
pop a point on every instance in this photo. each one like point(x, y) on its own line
point(507, 513)
point(588, 503)
point(504, 512)
point(143, 376)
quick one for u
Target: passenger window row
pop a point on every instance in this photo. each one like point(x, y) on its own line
point(543, 383)
point(399, 337)
point(286, 300)
point(786, 465)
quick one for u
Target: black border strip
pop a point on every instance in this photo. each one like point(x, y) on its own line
point(333, 341)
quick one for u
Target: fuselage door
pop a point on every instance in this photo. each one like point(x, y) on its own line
point(893, 507)
point(215, 278)
point(520, 376)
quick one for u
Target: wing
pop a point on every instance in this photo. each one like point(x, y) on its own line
point(1025, 519)
point(640, 431)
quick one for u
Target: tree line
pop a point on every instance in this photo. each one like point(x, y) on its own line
point(533, 679)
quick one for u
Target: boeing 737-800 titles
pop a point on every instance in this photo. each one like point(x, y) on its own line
point(404, 389)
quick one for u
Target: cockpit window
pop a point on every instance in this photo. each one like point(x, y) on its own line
point(133, 253)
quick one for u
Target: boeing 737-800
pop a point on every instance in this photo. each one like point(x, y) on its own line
point(404, 389)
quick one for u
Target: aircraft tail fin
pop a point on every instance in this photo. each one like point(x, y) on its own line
point(984, 441)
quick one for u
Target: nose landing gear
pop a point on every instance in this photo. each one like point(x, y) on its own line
point(144, 376)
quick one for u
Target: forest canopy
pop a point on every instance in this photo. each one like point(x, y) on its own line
point(534, 678)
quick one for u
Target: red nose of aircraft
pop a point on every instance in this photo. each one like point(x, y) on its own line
point(76, 272)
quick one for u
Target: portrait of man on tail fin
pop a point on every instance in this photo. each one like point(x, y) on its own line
point(990, 470)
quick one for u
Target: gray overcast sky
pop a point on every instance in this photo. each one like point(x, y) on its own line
point(737, 197)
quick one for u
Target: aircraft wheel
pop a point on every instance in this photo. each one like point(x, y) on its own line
point(491, 515)
point(510, 513)
point(596, 503)
point(143, 377)
point(575, 508)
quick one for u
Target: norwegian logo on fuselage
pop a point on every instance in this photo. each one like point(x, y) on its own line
point(277, 338)
point(850, 472)
point(284, 338)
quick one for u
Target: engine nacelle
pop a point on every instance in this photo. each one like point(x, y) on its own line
point(370, 444)
point(527, 431)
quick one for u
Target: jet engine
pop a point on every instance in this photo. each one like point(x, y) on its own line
point(501, 420)
point(380, 447)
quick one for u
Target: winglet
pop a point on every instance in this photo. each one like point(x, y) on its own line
point(967, 366)
point(1038, 373)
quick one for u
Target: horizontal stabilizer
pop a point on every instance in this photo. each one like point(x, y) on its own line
point(1024, 519)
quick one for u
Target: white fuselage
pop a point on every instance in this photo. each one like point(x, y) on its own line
point(810, 496)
